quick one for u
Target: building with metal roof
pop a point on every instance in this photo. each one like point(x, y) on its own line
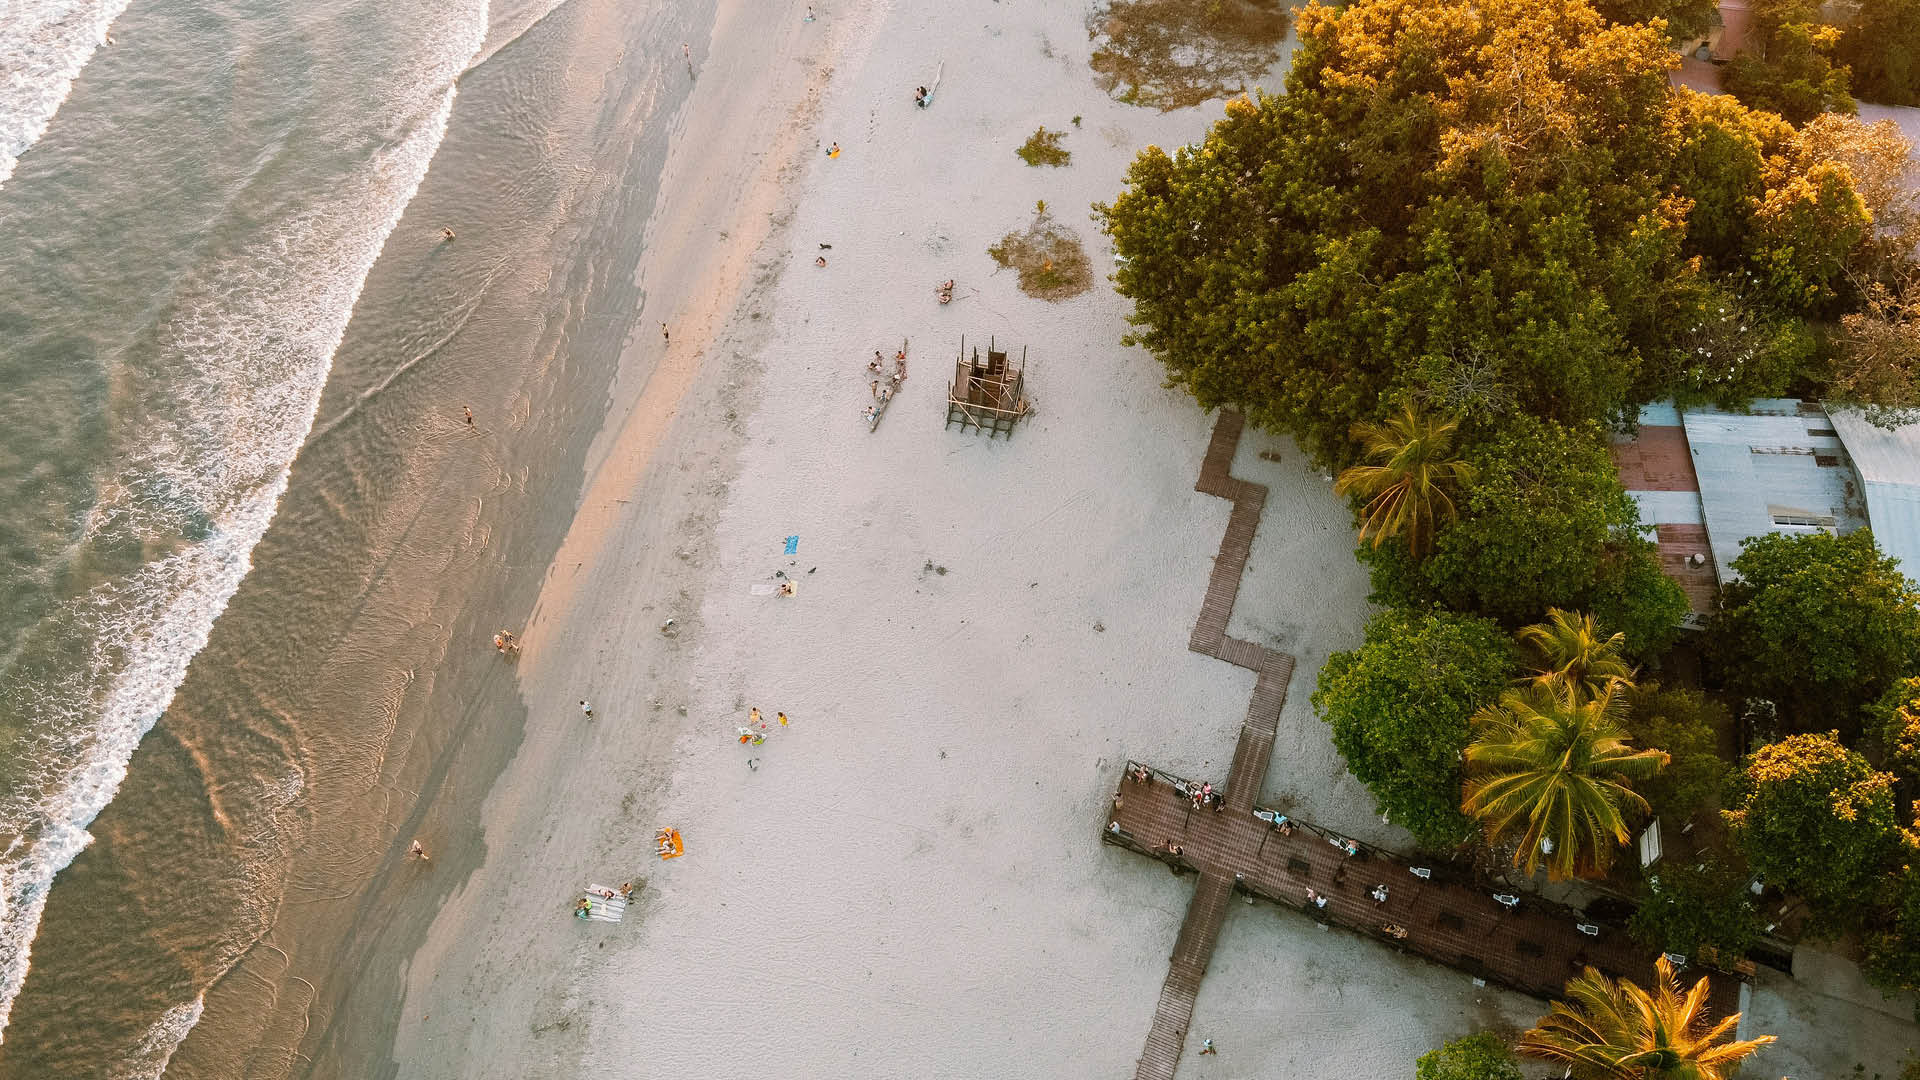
point(1888, 462)
point(1780, 467)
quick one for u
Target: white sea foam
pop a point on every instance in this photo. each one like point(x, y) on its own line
point(149, 1060)
point(258, 337)
point(43, 46)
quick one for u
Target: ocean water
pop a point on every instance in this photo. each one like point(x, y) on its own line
point(191, 218)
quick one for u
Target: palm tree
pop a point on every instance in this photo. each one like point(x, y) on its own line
point(1571, 653)
point(1550, 771)
point(1617, 1031)
point(1407, 486)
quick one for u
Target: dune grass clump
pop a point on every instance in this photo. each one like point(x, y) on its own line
point(1171, 54)
point(1050, 260)
point(1043, 148)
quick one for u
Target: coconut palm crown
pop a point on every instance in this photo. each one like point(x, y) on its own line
point(1612, 1030)
point(1548, 766)
point(1408, 484)
point(1569, 651)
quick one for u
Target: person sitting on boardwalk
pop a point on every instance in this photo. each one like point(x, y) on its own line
point(1285, 826)
point(1394, 931)
point(1379, 894)
point(1316, 899)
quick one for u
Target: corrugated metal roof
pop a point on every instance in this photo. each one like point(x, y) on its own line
point(1889, 465)
point(1780, 471)
point(1669, 507)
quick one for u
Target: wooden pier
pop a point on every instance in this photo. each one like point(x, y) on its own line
point(1529, 945)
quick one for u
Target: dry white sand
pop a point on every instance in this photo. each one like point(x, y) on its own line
point(911, 883)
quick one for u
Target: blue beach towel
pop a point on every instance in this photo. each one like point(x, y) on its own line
point(793, 545)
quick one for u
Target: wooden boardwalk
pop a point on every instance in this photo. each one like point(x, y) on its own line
point(1532, 946)
point(1194, 948)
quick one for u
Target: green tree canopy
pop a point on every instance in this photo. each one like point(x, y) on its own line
point(1544, 524)
point(1893, 942)
point(1819, 624)
point(1686, 906)
point(1814, 817)
point(1550, 772)
point(1481, 208)
point(1398, 706)
point(1787, 66)
point(1896, 717)
point(1685, 18)
point(1881, 46)
point(1480, 1056)
point(1691, 728)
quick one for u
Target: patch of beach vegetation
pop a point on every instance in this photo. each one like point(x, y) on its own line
point(1174, 53)
point(1049, 258)
point(1043, 148)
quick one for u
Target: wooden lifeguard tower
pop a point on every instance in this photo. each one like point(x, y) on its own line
point(988, 393)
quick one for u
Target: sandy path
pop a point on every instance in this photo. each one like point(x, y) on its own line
point(911, 883)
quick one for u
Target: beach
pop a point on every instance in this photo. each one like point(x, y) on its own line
point(683, 230)
point(908, 880)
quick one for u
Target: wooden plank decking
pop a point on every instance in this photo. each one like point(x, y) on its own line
point(1533, 947)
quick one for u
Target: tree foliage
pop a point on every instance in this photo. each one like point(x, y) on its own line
point(1881, 46)
point(1685, 19)
point(1691, 728)
point(1814, 817)
point(1409, 479)
point(1543, 524)
point(1892, 944)
point(1897, 720)
point(1788, 67)
point(1570, 653)
point(1877, 364)
point(1550, 772)
point(1398, 706)
point(1616, 1030)
point(1819, 624)
point(1688, 906)
point(1480, 1056)
point(1485, 209)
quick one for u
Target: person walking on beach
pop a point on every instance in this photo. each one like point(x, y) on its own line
point(1207, 1047)
point(833, 151)
point(782, 717)
point(586, 710)
point(417, 852)
point(753, 717)
point(664, 336)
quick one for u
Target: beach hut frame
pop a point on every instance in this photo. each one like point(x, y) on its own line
point(988, 393)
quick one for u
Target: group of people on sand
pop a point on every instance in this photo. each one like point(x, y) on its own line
point(882, 385)
point(755, 732)
point(584, 908)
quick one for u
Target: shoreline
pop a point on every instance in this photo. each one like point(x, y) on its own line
point(911, 882)
point(655, 470)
